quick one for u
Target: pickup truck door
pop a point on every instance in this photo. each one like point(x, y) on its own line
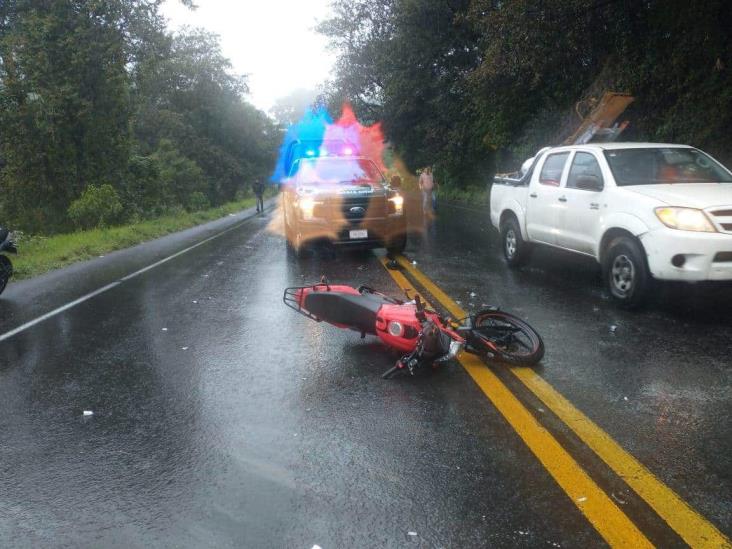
point(543, 203)
point(581, 212)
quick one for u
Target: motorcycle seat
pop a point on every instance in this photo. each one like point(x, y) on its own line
point(356, 311)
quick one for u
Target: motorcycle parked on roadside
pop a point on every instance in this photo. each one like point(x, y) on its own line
point(426, 337)
point(7, 246)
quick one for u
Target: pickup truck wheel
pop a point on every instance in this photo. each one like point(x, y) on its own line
point(296, 247)
point(515, 248)
point(293, 242)
point(396, 245)
point(625, 271)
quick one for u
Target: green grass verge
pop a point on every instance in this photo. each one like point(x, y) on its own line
point(37, 255)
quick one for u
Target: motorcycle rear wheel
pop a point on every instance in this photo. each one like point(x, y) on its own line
point(514, 340)
point(6, 271)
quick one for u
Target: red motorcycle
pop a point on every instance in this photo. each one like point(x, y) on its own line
point(426, 337)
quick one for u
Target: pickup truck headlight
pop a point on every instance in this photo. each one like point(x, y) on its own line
point(685, 219)
point(307, 206)
point(398, 205)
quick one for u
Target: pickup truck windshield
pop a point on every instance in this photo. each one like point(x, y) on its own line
point(345, 171)
point(653, 166)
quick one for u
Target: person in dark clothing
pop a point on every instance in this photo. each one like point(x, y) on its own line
point(258, 188)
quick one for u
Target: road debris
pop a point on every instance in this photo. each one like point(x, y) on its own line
point(473, 294)
point(414, 262)
point(184, 348)
point(618, 499)
point(165, 329)
point(411, 533)
point(87, 413)
point(613, 328)
point(582, 499)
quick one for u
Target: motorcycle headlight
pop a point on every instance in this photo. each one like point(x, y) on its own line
point(395, 328)
point(397, 202)
point(685, 219)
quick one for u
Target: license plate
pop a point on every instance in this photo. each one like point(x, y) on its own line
point(360, 233)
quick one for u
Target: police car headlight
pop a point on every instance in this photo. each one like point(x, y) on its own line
point(397, 203)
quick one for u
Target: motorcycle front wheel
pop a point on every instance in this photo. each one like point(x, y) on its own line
point(506, 337)
point(6, 271)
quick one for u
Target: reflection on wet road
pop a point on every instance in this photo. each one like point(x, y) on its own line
point(222, 418)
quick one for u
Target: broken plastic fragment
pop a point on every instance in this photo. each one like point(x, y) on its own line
point(411, 533)
point(165, 329)
point(613, 328)
point(473, 294)
point(582, 499)
point(184, 348)
point(87, 413)
point(618, 499)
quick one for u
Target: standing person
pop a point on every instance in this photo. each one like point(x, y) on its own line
point(426, 185)
point(258, 189)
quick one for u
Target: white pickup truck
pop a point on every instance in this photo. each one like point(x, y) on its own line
point(642, 210)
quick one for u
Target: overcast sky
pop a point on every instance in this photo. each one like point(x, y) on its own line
point(273, 41)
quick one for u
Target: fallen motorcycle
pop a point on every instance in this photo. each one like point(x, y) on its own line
point(6, 267)
point(426, 337)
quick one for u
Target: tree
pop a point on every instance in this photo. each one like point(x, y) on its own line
point(100, 92)
point(289, 109)
point(65, 106)
point(465, 84)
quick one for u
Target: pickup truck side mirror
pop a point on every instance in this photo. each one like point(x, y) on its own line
point(588, 183)
point(396, 182)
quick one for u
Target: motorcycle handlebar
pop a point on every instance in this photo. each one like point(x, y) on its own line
point(419, 309)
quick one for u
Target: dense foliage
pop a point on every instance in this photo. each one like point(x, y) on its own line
point(475, 85)
point(99, 95)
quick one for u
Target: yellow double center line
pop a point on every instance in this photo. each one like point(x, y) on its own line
point(606, 517)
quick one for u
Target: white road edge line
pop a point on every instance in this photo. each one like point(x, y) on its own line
point(82, 299)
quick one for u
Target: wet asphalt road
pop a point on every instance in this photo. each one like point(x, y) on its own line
point(222, 418)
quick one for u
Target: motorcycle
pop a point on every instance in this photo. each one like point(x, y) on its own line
point(423, 335)
point(6, 267)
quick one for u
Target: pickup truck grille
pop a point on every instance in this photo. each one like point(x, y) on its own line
point(722, 218)
point(356, 209)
